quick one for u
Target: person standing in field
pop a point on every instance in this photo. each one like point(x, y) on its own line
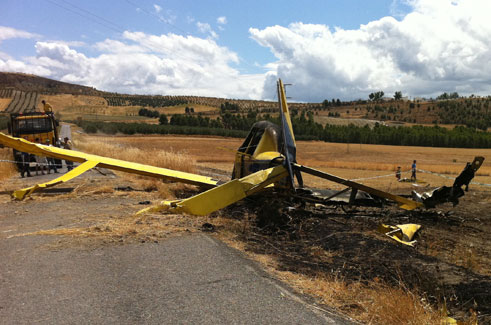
point(26, 159)
point(67, 144)
point(413, 171)
point(58, 161)
point(47, 107)
point(41, 162)
point(398, 173)
point(51, 161)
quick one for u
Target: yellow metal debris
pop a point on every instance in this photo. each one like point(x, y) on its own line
point(223, 195)
point(21, 194)
point(401, 233)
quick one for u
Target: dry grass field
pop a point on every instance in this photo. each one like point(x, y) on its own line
point(150, 156)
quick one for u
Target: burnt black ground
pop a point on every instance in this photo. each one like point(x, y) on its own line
point(450, 262)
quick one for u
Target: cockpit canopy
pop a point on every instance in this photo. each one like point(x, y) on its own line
point(263, 137)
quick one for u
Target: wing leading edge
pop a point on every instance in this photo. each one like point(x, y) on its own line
point(109, 163)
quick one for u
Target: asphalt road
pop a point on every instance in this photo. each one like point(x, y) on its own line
point(193, 279)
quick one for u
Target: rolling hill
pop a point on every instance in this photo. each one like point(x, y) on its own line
point(23, 92)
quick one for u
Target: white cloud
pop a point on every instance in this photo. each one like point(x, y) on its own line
point(5, 56)
point(114, 46)
point(441, 45)
point(8, 63)
point(222, 20)
point(9, 32)
point(59, 59)
point(157, 8)
point(11, 65)
point(205, 28)
point(191, 47)
point(69, 43)
point(145, 64)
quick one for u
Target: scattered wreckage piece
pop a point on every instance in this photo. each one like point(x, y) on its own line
point(82, 168)
point(266, 159)
point(337, 198)
point(452, 194)
point(402, 202)
point(400, 233)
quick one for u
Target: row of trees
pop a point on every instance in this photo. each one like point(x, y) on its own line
point(144, 128)
point(145, 101)
point(305, 129)
point(376, 96)
point(226, 121)
point(453, 95)
point(459, 137)
point(334, 103)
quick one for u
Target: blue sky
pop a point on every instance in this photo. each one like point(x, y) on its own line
point(342, 49)
point(93, 21)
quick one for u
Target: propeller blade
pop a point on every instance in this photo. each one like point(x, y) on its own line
point(289, 145)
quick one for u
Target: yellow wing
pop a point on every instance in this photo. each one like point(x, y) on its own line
point(109, 163)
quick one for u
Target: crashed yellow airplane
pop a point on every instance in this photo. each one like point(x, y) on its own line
point(267, 158)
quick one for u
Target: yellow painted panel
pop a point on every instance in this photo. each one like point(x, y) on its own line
point(21, 194)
